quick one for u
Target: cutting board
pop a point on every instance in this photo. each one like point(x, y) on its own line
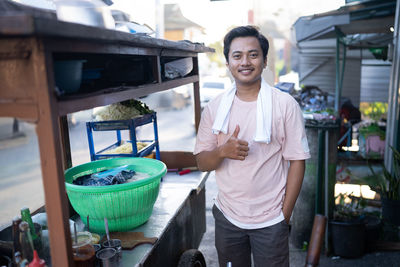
point(130, 240)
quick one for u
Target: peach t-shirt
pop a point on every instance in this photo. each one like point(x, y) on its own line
point(252, 191)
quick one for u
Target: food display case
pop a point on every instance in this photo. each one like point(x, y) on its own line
point(30, 47)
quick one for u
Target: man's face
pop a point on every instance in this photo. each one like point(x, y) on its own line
point(246, 61)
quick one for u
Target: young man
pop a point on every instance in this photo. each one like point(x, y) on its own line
point(253, 137)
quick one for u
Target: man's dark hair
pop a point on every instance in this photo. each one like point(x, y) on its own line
point(245, 31)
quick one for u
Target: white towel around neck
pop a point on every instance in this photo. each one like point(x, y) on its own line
point(264, 113)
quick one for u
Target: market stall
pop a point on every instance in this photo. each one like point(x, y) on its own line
point(31, 46)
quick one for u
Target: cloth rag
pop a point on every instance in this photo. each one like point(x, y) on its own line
point(264, 113)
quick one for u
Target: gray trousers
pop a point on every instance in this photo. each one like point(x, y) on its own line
point(269, 245)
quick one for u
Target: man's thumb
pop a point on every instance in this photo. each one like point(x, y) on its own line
point(236, 132)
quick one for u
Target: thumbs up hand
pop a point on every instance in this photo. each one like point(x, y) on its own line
point(235, 148)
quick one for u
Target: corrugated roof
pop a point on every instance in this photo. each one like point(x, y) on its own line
point(370, 17)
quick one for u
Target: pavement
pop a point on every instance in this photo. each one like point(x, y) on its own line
point(297, 256)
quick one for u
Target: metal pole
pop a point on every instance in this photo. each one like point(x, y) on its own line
point(343, 68)
point(326, 211)
point(318, 190)
point(339, 74)
point(337, 83)
point(393, 101)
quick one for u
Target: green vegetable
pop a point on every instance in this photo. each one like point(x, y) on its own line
point(138, 105)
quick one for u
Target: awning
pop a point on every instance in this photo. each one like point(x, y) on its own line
point(368, 17)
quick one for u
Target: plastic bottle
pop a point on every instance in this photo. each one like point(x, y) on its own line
point(26, 216)
point(37, 262)
point(15, 235)
point(36, 232)
point(26, 242)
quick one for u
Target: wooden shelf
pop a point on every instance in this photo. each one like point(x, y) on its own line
point(72, 103)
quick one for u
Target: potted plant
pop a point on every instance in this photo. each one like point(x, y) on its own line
point(347, 227)
point(371, 139)
point(388, 186)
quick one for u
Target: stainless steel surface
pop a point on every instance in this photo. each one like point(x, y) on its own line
point(178, 221)
point(172, 220)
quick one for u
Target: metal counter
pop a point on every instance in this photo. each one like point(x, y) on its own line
point(178, 221)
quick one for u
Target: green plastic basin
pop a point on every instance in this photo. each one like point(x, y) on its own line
point(125, 206)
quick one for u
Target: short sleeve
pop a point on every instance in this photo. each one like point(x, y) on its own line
point(205, 140)
point(295, 146)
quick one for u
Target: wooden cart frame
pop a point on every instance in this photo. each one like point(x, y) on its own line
point(28, 46)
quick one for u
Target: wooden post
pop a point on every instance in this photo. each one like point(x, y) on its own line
point(316, 240)
point(48, 132)
point(196, 94)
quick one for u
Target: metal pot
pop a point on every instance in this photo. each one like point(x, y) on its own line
point(88, 12)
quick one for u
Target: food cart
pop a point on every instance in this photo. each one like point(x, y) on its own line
point(30, 46)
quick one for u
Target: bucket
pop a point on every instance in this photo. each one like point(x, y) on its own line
point(348, 239)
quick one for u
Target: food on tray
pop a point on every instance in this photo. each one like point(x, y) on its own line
point(125, 110)
point(125, 148)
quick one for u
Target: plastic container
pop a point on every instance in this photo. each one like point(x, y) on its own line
point(68, 75)
point(82, 250)
point(348, 239)
point(87, 12)
point(125, 206)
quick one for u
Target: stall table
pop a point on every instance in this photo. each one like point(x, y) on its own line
point(178, 221)
point(30, 44)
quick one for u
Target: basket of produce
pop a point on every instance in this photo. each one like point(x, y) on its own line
point(123, 190)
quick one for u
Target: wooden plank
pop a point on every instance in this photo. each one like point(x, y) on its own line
point(15, 63)
point(113, 95)
point(63, 45)
point(51, 162)
point(16, 24)
point(48, 27)
point(22, 110)
point(24, 24)
point(177, 53)
point(141, 51)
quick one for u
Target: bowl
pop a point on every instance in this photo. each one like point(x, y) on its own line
point(68, 75)
point(126, 205)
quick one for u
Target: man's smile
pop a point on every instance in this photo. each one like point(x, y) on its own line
point(246, 71)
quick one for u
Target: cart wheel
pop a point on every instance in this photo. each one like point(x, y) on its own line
point(192, 258)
